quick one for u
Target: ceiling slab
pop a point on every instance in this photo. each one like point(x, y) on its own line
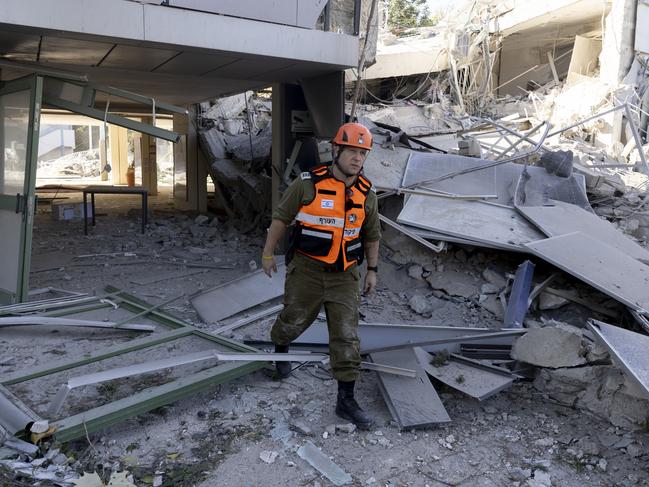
point(249, 68)
point(137, 58)
point(194, 63)
point(73, 51)
point(19, 47)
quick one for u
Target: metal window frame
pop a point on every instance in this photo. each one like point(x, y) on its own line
point(102, 416)
point(87, 108)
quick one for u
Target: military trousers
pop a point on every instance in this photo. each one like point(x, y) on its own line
point(308, 287)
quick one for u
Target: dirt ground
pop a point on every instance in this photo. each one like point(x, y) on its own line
point(219, 437)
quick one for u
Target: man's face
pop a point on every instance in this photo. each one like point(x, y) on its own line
point(351, 159)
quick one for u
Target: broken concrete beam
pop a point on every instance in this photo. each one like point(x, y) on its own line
point(318, 460)
point(552, 347)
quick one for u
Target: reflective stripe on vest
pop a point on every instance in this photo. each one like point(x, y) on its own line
point(323, 221)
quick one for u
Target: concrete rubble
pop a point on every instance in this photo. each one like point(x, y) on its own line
point(460, 163)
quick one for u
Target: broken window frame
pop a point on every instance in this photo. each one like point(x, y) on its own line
point(23, 202)
point(81, 424)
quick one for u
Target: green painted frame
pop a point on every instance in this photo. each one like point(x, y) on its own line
point(26, 202)
point(100, 417)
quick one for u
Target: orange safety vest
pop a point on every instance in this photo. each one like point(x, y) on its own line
point(332, 222)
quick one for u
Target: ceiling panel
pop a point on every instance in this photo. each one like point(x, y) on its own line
point(137, 58)
point(194, 63)
point(249, 68)
point(18, 47)
point(73, 51)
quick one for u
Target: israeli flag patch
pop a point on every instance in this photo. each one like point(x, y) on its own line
point(305, 175)
point(328, 204)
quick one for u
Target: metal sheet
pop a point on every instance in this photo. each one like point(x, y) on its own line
point(428, 166)
point(562, 218)
point(499, 180)
point(496, 226)
point(470, 380)
point(627, 348)
point(413, 402)
point(376, 335)
point(429, 234)
point(239, 295)
point(604, 267)
point(518, 298)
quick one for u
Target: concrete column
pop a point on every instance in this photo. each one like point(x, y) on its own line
point(190, 170)
point(149, 164)
point(619, 39)
point(118, 153)
point(278, 155)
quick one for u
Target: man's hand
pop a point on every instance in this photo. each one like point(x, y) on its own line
point(268, 264)
point(370, 282)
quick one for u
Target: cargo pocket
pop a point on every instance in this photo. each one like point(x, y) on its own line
point(354, 250)
point(315, 242)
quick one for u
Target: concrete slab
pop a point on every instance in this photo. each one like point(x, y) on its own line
point(243, 293)
point(562, 218)
point(413, 402)
point(473, 381)
point(628, 350)
point(496, 226)
point(604, 267)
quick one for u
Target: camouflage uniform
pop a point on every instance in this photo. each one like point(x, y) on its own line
point(310, 284)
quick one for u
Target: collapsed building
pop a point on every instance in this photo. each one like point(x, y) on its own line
point(510, 159)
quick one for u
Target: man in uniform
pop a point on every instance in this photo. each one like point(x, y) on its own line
point(336, 224)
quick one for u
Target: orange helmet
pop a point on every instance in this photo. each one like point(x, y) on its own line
point(354, 135)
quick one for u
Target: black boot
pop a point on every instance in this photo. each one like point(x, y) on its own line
point(347, 407)
point(283, 368)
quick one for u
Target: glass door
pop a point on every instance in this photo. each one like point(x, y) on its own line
point(20, 103)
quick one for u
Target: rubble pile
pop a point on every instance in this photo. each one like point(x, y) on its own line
point(82, 164)
point(236, 139)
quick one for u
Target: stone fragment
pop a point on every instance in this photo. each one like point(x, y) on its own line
point(454, 283)
point(301, 427)
point(489, 288)
point(550, 347)
point(268, 456)
point(494, 278)
point(549, 301)
point(518, 474)
point(416, 271)
point(541, 479)
point(201, 219)
point(348, 428)
point(420, 304)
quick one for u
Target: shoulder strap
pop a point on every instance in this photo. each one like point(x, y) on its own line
point(363, 184)
point(319, 173)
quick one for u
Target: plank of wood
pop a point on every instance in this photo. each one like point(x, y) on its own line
point(413, 402)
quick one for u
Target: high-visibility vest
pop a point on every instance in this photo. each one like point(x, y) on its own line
point(331, 223)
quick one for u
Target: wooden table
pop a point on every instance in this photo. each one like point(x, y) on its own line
point(93, 190)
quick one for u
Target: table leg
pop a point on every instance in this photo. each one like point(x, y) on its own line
point(145, 210)
point(85, 213)
point(92, 207)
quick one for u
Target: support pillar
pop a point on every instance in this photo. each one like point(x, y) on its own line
point(118, 153)
point(190, 169)
point(149, 161)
